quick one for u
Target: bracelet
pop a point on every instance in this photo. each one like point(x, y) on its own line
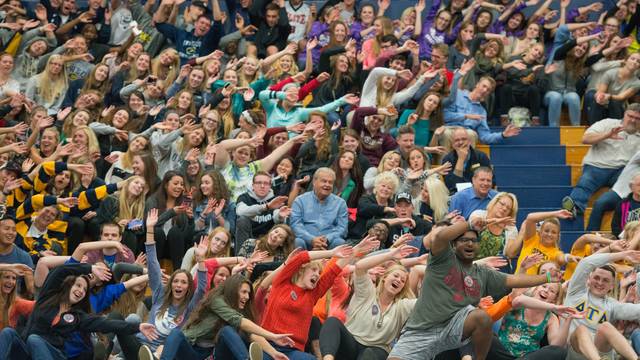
point(548, 277)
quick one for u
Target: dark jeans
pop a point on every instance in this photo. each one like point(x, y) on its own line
point(519, 95)
point(291, 353)
point(499, 352)
point(230, 345)
point(592, 179)
point(176, 343)
point(173, 245)
point(336, 340)
point(42, 350)
point(12, 346)
point(606, 202)
point(77, 229)
point(596, 112)
point(243, 232)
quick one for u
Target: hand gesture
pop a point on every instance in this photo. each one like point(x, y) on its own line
point(402, 240)
point(494, 262)
point(403, 251)
point(485, 302)
point(443, 169)
point(342, 251)
point(531, 260)
point(311, 44)
point(217, 210)
point(319, 243)
point(563, 214)
point(200, 249)
point(68, 201)
point(302, 182)
point(12, 185)
point(405, 74)
point(101, 272)
point(567, 311)
point(351, 99)
point(323, 77)
point(141, 259)
point(282, 340)
point(152, 218)
point(467, 65)
point(277, 202)
point(149, 331)
point(412, 119)
point(511, 130)
point(420, 6)
point(619, 246)
point(19, 147)
point(41, 13)
point(20, 129)
point(383, 5)
point(632, 256)
point(368, 244)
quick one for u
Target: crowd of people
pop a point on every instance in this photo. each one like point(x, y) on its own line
point(290, 179)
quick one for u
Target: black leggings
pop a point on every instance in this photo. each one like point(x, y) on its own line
point(499, 352)
point(336, 340)
point(173, 245)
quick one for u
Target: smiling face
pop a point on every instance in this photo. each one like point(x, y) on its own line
point(8, 282)
point(515, 21)
point(173, 120)
point(78, 290)
point(81, 118)
point(549, 234)
point(136, 186)
point(137, 165)
point(195, 78)
point(184, 100)
point(101, 73)
point(323, 185)
point(120, 119)
point(202, 26)
point(276, 237)
point(600, 282)
point(242, 156)
point(502, 208)
point(547, 292)
point(175, 187)
point(7, 232)
point(135, 102)
point(340, 33)
point(38, 48)
point(394, 282)
point(483, 20)
point(230, 76)
point(143, 62)
point(482, 182)
point(243, 295)
point(46, 217)
point(49, 140)
point(443, 20)
point(80, 138)
point(284, 168)
point(580, 50)
point(384, 190)
point(138, 144)
point(222, 273)
point(196, 137)
point(388, 82)
point(179, 286)
point(367, 15)
point(491, 50)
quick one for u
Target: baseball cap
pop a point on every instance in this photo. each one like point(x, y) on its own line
point(404, 196)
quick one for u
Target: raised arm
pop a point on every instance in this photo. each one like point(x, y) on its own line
point(441, 240)
point(396, 254)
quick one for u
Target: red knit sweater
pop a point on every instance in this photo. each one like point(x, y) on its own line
point(290, 308)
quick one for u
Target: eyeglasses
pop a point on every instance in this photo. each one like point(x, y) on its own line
point(467, 239)
point(262, 183)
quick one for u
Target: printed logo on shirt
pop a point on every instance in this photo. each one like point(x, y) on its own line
point(592, 314)
point(462, 284)
point(294, 296)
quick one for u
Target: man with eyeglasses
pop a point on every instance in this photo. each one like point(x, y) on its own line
point(446, 316)
point(613, 143)
point(259, 209)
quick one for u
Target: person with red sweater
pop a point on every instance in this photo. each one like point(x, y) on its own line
point(295, 290)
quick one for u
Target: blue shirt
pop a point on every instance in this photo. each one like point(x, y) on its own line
point(454, 114)
point(311, 217)
point(17, 256)
point(466, 201)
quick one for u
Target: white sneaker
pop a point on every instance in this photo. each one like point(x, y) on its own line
point(144, 353)
point(255, 351)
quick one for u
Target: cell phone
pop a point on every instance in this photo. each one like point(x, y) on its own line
point(135, 223)
point(187, 202)
point(277, 181)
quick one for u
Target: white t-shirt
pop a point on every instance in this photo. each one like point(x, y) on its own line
point(120, 30)
point(621, 187)
point(611, 153)
point(298, 18)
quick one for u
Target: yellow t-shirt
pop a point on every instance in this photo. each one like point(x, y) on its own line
point(571, 267)
point(532, 245)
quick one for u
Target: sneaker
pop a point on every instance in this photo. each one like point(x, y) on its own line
point(144, 353)
point(255, 351)
point(570, 205)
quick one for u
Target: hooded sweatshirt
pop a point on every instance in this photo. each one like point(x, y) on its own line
point(252, 206)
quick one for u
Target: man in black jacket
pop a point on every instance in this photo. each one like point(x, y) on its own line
point(464, 158)
point(273, 26)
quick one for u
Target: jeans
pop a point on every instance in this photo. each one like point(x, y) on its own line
point(291, 353)
point(12, 345)
point(300, 243)
point(553, 100)
point(597, 112)
point(243, 232)
point(42, 350)
point(230, 345)
point(606, 202)
point(592, 179)
point(635, 340)
point(176, 343)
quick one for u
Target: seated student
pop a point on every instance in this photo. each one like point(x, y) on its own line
point(13, 307)
point(466, 109)
point(465, 159)
point(111, 232)
point(258, 209)
point(319, 217)
point(10, 253)
point(628, 209)
point(405, 221)
point(613, 143)
point(476, 197)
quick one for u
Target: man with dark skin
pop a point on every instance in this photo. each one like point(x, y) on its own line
point(446, 317)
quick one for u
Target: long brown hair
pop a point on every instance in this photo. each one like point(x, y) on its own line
point(228, 290)
point(6, 301)
point(167, 298)
point(287, 246)
point(129, 301)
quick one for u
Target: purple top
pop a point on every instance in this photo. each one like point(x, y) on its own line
point(431, 36)
point(572, 15)
point(318, 30)
point(500, 27)
point(356, 28)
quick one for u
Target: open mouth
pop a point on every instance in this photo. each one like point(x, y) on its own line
point(77, 294)
point(395, 285)
point(7, 288)
point(313, 281)
point(543, 296)
point(178, 292)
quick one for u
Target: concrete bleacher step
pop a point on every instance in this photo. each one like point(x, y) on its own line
point(539, 196)
point(520, 175)
point(565, 225)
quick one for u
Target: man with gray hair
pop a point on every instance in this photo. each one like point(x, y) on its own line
point(319, 217)
point(613, 142)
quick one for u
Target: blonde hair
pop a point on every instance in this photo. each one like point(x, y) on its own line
point(129, 301)
point(383, 97)
point(500, 195)
point(93, 146)
point(438, 198)
point(245, 80)
point(630, 229)
point(164, 73)
point(50, 88)
point(405, 293)
point(128, 209)
point(298, 274)
point(384, 159)
point(386, 177)
point(278, 72)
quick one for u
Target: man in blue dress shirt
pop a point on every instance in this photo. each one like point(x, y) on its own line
point(476, 197)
